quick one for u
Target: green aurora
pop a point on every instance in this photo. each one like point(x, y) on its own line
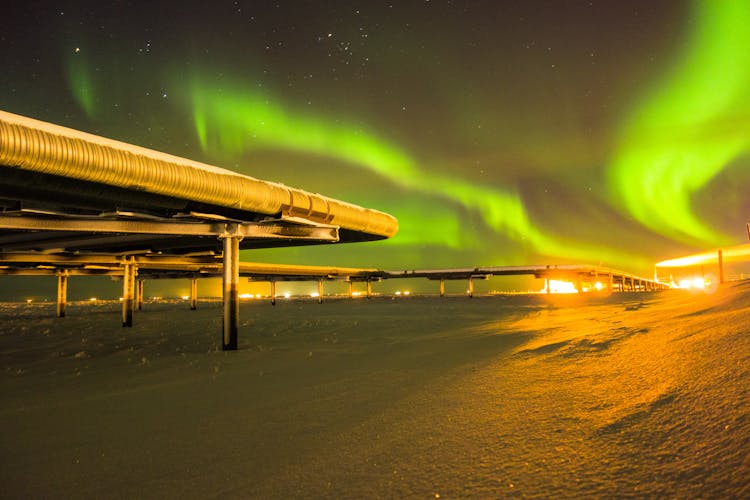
point(80, 80)
point(681, 129)
point(233, 122)
point(689, 128)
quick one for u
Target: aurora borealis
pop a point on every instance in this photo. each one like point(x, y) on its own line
point(690, 127)
point(499, 133)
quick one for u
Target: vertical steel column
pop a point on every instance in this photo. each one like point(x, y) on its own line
point(721, 266)
point(273, 293)
point(139, 294)
point(128, 291)
point(231, 280)
point(62, 293)
point(611, 283)
point(442, 287)
point(471, 287)
point(320, 291)
point(193, 294)
point(369, 289)
point(351, 289)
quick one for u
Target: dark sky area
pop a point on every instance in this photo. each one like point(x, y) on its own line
point(497, 132)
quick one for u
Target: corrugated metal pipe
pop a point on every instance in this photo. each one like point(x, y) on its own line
point(51, 149)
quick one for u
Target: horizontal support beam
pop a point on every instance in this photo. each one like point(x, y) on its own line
point(256, 230)
point(54, 272)
point(156, 266)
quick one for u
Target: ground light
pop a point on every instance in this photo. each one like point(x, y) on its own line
point(695, 283)
point(558, 286)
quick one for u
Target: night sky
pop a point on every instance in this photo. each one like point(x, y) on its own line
point(497, 132)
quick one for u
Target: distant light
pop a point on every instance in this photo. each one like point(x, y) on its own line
point(287, 295)
point(93, 299)
point(692, 283)
point(598, 286)
point(407, 292)
point(121, 299)
point(185, 297)
point(557, 286)
point(258, 296)
point(315, 294)
point(398, 292)
point(356, 294)
point(29, 301)
point(246, 295)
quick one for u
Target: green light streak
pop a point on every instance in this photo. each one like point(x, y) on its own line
point(690, 127)
point(79, 81)
point(229, 123)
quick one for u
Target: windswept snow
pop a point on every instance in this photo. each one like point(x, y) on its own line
point(628, 395)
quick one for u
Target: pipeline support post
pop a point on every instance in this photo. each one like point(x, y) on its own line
point(193, 294)
point(442, 287)
point(62, 293)
point(128, 291)
point(231, 298)
point(139, 294)
point(351, 289)
point(320, 291)
point(721, 266)
point(369, 289)
point(471, 287)
point(273, 293)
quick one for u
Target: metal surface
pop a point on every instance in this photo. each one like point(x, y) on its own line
point(57, 233)
point(34, 154)
point(231, 319)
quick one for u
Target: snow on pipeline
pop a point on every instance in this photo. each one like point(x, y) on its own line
point(629, 395)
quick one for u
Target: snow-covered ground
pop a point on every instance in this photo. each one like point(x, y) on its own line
point(630, 395)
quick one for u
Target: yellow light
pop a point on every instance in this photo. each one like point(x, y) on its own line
point(407, 292)
point(699, 283)
point(93, 299)
point(558, 286)
point(315, 294)
point(398, 292)
point(287, 295)
point(29, 301)
point(185, 297)
point(258, 296)
point(598, 286)
point(356, 294)
point(246, 295)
